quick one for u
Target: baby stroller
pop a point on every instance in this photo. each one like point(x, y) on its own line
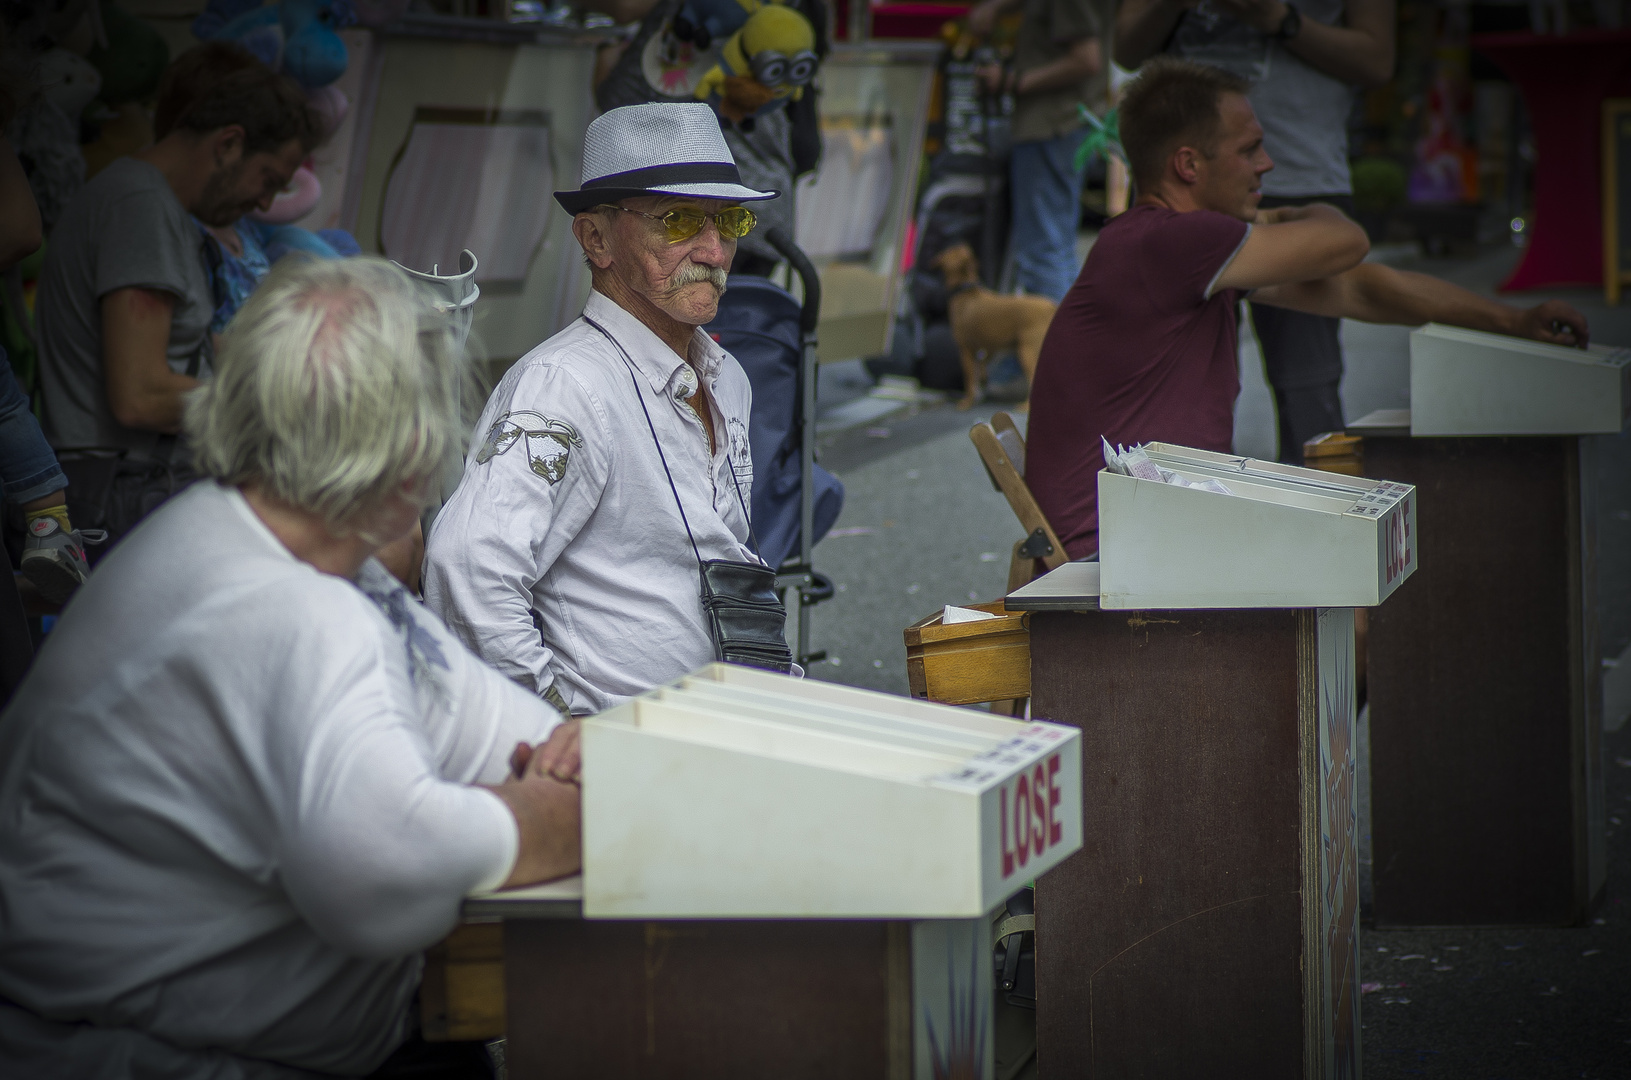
point(964, 199)
point(795, 501)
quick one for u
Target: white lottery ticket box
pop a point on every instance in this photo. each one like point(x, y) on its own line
point(1258, 535)
point(1465, 382)
point(781, 877)
point(740, 794)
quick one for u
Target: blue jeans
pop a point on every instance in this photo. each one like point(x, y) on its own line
point(28, 466)
point(1047, 201)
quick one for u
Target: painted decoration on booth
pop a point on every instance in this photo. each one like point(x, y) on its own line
point(952, 1037)
point(1339, 857)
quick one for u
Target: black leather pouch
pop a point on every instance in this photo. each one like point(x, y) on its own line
point(745, 617)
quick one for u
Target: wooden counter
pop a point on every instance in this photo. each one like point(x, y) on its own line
point(1208, 927)
point(1485, 685)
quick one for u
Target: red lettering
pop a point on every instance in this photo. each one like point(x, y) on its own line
point(1022, 834)
point(1002, 812)
point(1404, 513)
point(1056, 831)
point(1397, 550)
point(1039, 808)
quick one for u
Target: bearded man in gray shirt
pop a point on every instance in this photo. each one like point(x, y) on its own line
point(125, 300)
point(1303, 59)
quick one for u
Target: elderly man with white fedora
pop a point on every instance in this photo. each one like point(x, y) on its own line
point(599, 543)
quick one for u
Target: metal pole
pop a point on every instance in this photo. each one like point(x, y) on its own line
point(809, 318)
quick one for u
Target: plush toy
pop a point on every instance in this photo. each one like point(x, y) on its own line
point(763, 65)
point(276, 232)
point(701, 22)
point(295, 37)
point(296, 199)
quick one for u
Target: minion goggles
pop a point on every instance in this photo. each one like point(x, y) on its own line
point(776, 68)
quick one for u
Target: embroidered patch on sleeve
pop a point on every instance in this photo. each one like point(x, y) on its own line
point(549, 442)
point(741, 452)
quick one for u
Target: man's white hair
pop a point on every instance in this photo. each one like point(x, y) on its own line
point(335, 388)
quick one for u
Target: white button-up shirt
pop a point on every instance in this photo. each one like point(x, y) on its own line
point(565, 515)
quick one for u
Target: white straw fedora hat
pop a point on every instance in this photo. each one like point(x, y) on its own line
point(660, 148)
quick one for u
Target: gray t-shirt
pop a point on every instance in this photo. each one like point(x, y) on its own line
point(1304, 112)
point(124, 229)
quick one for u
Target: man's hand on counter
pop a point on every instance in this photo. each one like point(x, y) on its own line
point(543, 794)
point(1553, 321)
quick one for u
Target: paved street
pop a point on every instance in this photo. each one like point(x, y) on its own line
point(922, 527)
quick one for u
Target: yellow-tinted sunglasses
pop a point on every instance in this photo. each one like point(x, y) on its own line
point(682, 223)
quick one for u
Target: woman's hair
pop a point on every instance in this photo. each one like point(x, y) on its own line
point(1172, 103)
point(336, 387)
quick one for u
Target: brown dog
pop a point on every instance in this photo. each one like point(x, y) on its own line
point(985, 323)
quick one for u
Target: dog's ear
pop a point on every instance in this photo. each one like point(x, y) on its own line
point(957, 262)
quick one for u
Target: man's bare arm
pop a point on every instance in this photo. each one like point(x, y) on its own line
point(143, 392)
point(1295, 243)
point(1081, 62)
point(1084, 60)
point(1359, 52)
point(1143, 27)
point(1375, 293)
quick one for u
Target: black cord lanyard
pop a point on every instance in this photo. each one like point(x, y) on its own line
point(737, 484)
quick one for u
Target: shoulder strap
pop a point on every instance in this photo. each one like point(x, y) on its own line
point(641, 398)
point(747, 515)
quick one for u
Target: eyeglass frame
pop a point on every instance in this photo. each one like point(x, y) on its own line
point(753, 219)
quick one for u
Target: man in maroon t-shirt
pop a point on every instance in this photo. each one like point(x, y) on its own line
point(1144, 345)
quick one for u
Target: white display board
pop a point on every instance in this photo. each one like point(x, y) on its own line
point(1463, 382)
point(1281, 537)
point(737, 793)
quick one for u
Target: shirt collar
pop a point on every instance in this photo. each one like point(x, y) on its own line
point(650, 353)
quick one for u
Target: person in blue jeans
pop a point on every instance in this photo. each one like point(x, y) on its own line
point(53, 553)
point(1058, 67)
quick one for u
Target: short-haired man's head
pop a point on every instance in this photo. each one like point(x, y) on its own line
point(192, 75)
point(1172, 103)
point(219, 84)
point(336, 388)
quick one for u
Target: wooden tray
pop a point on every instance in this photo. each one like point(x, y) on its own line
point(965, 663)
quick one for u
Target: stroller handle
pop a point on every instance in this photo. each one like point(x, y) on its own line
point(810, 315)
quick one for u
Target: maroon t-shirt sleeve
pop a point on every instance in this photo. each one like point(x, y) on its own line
point(1187, 252)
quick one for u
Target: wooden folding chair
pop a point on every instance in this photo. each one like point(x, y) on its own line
point(1002, 448)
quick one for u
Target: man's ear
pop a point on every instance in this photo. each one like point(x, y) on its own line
point(227, 144)
point(1186, 164)
point(590, 229)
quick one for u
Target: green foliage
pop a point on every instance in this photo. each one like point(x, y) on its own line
point(1105, 138)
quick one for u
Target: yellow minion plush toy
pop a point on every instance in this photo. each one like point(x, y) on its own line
point(766, 62)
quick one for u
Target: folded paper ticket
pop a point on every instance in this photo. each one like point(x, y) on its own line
point(1135, 462)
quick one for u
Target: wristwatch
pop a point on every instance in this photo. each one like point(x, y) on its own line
point(1290, 26)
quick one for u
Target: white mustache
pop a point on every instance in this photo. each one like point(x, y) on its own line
point(691, 273)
